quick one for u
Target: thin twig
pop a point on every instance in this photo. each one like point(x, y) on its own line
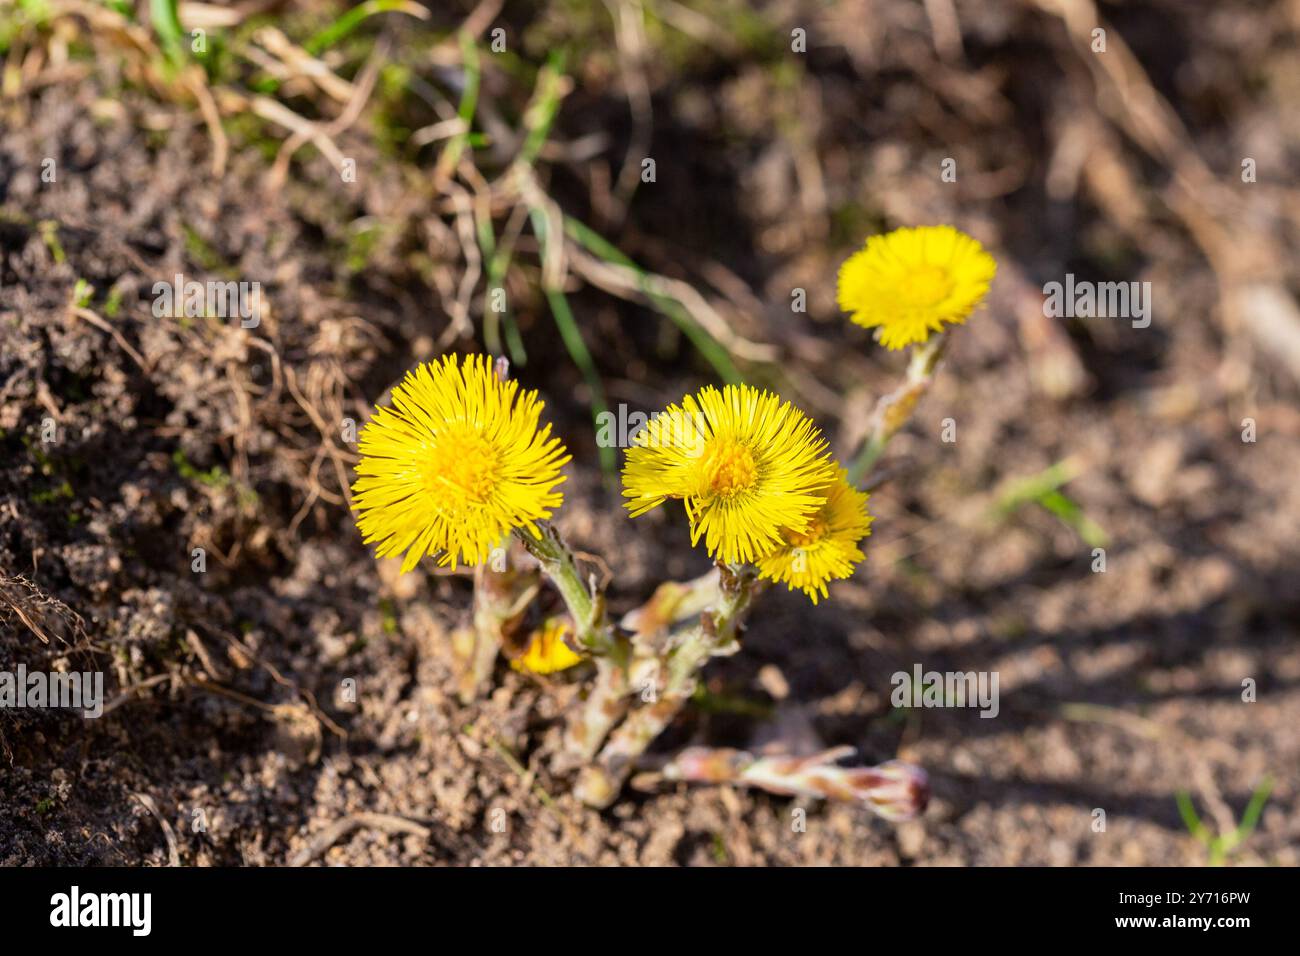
point(386, 822)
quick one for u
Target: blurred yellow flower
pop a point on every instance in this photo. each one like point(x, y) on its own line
point(546, 652)
point(828, 549)
point(455, 464)
point(745, 464)
point(910, 282)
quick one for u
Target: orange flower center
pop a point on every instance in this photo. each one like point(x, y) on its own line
point(463, 468)
point(816, 528)
point(729, 469)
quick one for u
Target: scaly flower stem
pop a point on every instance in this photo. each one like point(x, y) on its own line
point(593, 632)
point(500, 599)
point(612, 652)
point(895, 790)
point(714, 635)
point(672, 603)
point(605, 706)
point(608, 699)
point(893, 410)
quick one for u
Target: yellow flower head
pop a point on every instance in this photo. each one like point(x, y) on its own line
point(746, 465)
point(910, 282)
point(546, 652)
point(455, 464)
point(828, 549)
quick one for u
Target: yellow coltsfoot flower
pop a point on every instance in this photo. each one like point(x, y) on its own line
point(456, 464)
point(546, 652)
point(828, 549)
point(911, 282)
point(746, 465)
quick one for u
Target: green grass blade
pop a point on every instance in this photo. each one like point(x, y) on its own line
point(344, 25)
point(498, 264)
point(1071, 514)
point(487, 243)
point(541, 113)
point(1044, 489)
point(1035, 487)
point(713, 351)
point(573, 341)
point(451, 153)
point(166, 22)
point(1191, 819)
point(1250, 819)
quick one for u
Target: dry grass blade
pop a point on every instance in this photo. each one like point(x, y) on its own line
point(384, 822)
point(628, 283)
point(148, 802)
point(1247, 280)
point(48, 618)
